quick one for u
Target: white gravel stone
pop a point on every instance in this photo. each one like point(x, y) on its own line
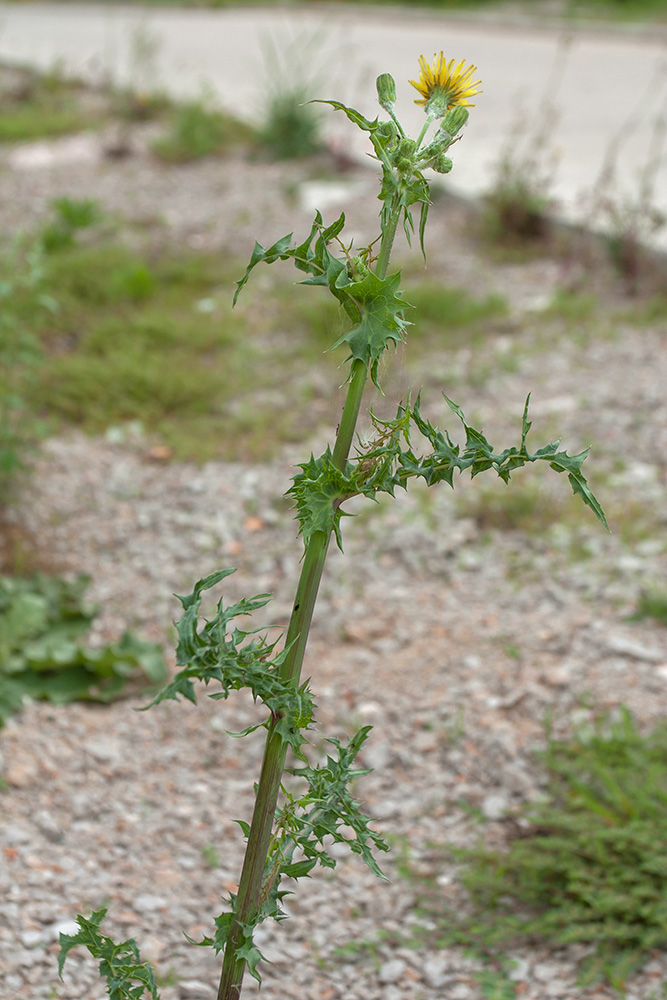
point(148, 903)
point(391, 972)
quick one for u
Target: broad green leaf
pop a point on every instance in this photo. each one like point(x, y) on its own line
point(43, 621)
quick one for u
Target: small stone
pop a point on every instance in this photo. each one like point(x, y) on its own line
point(22, 770)
point(391, 971)
point(545, 972)
point(557, 988)
point(559, 676)
point(433, 970)
point(635, 650)
point(520, 969)
point(103, 751)
point(494, 806)
point(193, 989)
point(377, 755)
point(47, 825)
point(14, 834)
point(460, 992)
point(147, 903)
point(152, 948)
point(30, 938)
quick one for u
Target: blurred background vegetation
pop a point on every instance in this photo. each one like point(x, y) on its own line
point(616, 9)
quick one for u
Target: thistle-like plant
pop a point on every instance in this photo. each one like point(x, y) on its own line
point(299, 810)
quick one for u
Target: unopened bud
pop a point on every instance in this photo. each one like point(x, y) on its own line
point(442, 165)
point(386, 88)
point(404, 165)
point(454, 120)
point(358, 268)
point(406, 147)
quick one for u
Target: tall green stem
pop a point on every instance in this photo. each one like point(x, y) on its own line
point(259, 837)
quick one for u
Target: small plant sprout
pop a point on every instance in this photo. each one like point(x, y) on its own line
point(300, 810)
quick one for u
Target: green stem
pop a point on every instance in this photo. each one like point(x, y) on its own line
point(259, 837)
point(388, 235)
point(429, 118)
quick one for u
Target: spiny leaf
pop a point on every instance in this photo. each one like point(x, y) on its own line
point(250, 953)
point(355, 116)
point(315, 260)
point(318, 492)
point(213, 651)
point(120, 964)
point(328, 807)
point(478, 456)
point(381, 309)
point(279, 251)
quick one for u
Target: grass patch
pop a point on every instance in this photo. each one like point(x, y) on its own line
point(34, 106)
point(648, 312)
point(571, 306)
point(652, 605)
point(447, 318)
point(196, 129)
point(589, 863)
point(152, 338)
point(586, 864)
point(291, 128)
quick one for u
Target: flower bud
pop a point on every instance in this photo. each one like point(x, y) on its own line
point(404, 165)
point(442, 165)
point(406, 147)
point(357, 269)
point(454, 120)
point(386, 88)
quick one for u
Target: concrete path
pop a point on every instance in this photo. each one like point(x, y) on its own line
point(608, 87)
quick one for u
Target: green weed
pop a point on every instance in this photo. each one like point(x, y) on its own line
point(43, 623)
point(36, 107)
point(572, 306)
point(588, 864)
point(528, 507)
point(210, 856)
point(197, 129)
point(299, 810)
point(69, 215)
point(652, 605)
point(291, 127)
point(21, 280)
point(132, 341)
point(451, 317)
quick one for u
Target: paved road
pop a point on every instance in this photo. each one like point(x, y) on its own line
point(608, 87)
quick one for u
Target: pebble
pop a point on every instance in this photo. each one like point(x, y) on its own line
point(391, 971)
point(48, 826)
point(31, 938)
point(635, 650)
point(495, 806)
point(194, 989)
point(433, 970)
point(147, 903)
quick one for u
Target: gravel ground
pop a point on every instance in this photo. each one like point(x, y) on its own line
point(452, 637)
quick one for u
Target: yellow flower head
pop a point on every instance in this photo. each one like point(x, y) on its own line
point(444, 86)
